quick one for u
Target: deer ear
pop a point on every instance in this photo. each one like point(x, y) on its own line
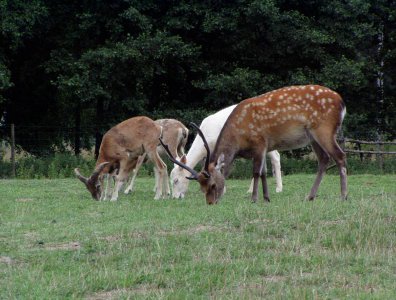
point(183, 160)
point(220, 163)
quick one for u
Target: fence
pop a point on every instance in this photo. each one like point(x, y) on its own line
point(18, 141)
point(37, 136)
point(358, 149)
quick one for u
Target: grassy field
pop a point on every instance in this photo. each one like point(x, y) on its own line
point(57, 243)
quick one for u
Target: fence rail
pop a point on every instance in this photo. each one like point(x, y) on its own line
point(369, 152)
point(367, 142)
point(379, 153)
point(39, 134)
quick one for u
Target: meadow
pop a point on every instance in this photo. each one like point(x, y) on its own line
point(57, 243)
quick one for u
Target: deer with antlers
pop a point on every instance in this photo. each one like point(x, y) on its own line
point(175, 135)
point(284, 119)
point(119, 151)
point(211, 127)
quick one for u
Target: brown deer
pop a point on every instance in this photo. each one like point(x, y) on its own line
point(284, 119)
point(120, 149)
point(175, 135)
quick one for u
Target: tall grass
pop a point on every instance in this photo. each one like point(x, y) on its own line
point(57, 243)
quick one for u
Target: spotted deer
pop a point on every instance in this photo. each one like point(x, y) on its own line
point(174, 134)
point(284, 119)
point(211, 127)
point(120, 149)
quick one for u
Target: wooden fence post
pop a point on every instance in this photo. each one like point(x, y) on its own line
point(13, 171)
point(380, 157)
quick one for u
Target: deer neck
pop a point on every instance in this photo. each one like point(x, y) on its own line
point(196, 153)
point(228, 146)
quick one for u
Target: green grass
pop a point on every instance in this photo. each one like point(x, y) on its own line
point(57, 243)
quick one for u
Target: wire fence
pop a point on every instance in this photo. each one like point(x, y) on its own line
point(45, 140)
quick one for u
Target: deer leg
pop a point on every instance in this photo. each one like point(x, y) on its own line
point(276, 169)
point(166, 183)
point(323, 161)
point(250, 190)
point(125, 167)
point(162, 176)
point(258, 165)
point(156, 176)
point(265, 186)
point(340, 158)
point(264, 183)
point(117, 186)
point(255, 188)
point(105, 182)
point(131, 183)
point(110, 181)
point(331, 148)
point(135, 171)
point(162, 172)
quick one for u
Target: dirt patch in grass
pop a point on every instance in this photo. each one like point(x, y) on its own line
point(390, 219)
point(201, 228)
point(30, 235)
point(191, 230)
point(62, 246)
point(120, 237)
point(332, 222)
point(112, 238)
point(6, 260)
point(274, 278)
point(259, 221)
point(24, 200)
point(118, 293)
point(173, 231)
point(107, 295)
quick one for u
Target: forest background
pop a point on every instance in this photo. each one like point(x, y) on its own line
point(82, 66)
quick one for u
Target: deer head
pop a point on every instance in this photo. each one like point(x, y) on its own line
point(211, 178)
point(93, 183)
point(178, 179)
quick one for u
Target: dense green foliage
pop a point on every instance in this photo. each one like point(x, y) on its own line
point(57, 243)
point(87, 65)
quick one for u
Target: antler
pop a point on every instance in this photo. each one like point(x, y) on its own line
point(97, 171)
point(205, 144)
point(79, 176)
point(94, 175)
point(192, 171)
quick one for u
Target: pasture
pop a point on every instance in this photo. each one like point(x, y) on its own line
point(56, 242)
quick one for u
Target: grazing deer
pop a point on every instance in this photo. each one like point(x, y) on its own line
point(211, 127)
point(283, 119)
point(120, 149)
point(175, 135)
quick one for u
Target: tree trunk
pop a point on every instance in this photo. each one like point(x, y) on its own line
point(380, 81)
point(77, 129)
point(98, 127)
point(380, 93)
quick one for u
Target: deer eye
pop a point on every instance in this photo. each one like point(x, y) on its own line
point(175, 180)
